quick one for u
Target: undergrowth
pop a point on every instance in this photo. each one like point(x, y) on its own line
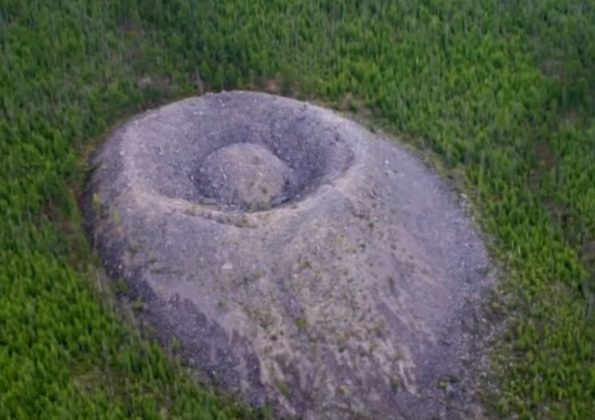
point(502, 91)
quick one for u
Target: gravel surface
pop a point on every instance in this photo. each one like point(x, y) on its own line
point(300, 260)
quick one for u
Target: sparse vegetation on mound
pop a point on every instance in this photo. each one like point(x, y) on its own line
point(501, 91)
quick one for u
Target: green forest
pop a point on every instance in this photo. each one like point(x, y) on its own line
point(499, 93)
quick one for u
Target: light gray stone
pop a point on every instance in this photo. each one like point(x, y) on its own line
point(265, 235)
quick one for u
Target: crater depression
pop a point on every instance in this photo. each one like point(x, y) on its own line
point(300, 260)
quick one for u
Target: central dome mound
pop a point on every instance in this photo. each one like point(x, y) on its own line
point(300, 260)
point(247, 175)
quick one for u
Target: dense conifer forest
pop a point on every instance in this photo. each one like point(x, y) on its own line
point(499, 94)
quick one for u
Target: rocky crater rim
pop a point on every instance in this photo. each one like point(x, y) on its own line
point(230, 156)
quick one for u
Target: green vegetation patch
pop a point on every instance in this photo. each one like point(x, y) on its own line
point(501, 91)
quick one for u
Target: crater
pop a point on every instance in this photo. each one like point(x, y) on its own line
point(261, 233)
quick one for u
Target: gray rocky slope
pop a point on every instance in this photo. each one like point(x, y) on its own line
point(301, 261)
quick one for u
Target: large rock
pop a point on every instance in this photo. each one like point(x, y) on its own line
point(300, 260)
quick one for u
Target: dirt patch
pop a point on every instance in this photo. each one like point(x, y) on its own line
point(300, 260)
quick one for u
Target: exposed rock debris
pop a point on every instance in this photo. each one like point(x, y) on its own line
point(300, 260)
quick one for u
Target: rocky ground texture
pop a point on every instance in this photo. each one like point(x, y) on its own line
point(300, 260)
